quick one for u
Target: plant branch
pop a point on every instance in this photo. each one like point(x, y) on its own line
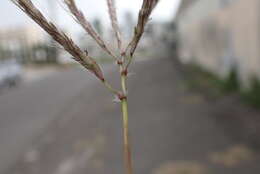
point(143, 17)
point(88, 62)
point(110, 88)
point(67, 43)
point(130, 59)
point(114, 22)
point(81, 19)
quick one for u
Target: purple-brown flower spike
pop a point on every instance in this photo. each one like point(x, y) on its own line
point(86, 25)
point(66, 42)
point(114, 22)
point(144, 14)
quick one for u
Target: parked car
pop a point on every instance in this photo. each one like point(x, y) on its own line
point(10, 73)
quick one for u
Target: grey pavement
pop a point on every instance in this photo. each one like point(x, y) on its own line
point(26, 111)
point(67, 123)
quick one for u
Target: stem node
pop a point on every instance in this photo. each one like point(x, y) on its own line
point(124, 72)
point(119, 62)
point(121, 96)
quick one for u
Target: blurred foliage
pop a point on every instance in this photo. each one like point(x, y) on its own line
point(4, 53)
point(43, 53)
point(200, 79)
point(230, 83)
point(39, 54)
point(206, 82)
point(252, 94)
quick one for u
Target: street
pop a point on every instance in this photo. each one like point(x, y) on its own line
point(27, 110)
point(67, 123)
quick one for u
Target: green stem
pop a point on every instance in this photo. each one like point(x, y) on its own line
point(127, 147)
point(110, 88)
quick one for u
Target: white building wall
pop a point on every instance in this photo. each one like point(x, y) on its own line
point(220, 35)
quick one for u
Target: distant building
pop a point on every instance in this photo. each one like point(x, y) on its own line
point(221, 35)
point(19, 41)
point(21, 36)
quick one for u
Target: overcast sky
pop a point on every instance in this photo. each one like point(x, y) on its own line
point(11, 16)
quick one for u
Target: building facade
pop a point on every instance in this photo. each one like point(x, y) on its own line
point(221, 36)
point(18, 42)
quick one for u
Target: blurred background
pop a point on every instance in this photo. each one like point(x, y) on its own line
point(194, 91)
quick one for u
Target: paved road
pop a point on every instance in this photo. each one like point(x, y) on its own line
point(26, 111)
point(174, 130)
